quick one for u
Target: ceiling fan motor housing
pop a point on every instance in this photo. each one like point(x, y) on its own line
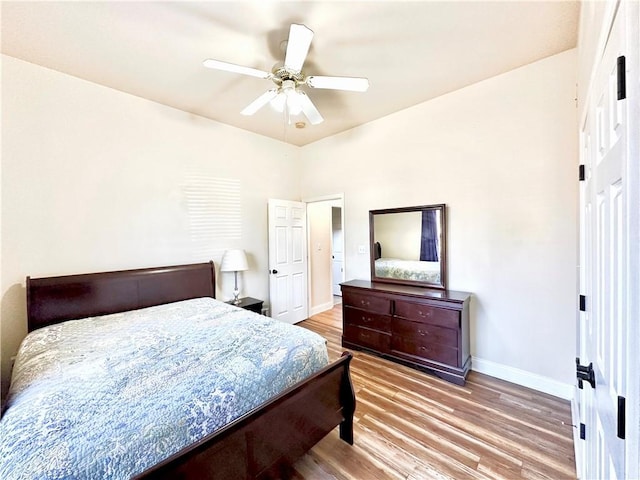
point(282, 74)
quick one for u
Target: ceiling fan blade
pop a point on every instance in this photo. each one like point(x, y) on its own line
point(352, 84)
point(297, 47)
point(232, 67)
point(309, 109)
point(259, 102)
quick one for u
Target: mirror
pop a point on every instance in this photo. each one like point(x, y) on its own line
point(408, 245)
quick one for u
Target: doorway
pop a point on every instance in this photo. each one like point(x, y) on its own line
point(325, 230)
point(337, 251)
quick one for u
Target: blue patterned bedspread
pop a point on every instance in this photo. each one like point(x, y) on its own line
point(108, 397)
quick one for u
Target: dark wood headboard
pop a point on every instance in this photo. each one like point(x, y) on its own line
point(55, 299)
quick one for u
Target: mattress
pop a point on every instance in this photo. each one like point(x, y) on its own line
point(108, 397)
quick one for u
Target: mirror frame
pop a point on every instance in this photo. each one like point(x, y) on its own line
point(443, 246)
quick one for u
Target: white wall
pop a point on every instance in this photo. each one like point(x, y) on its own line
point(502, 154)
point(94, 179)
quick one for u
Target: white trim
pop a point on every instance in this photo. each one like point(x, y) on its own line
point(324, 198)
point(611, 8)
point(575, 421)
point(522, 377)
point(320, 308)
point(632, 448)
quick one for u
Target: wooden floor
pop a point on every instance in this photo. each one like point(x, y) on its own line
point(411, 425)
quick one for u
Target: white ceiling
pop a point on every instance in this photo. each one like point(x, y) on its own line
point(410, 51)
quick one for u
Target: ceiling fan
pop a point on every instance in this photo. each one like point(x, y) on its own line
point(288, 78)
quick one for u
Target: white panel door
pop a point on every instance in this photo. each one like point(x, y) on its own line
point(337, 269)
point(288, 260)
point(605, 269)
point(337, 250)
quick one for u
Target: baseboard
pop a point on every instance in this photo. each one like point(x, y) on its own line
point(522, 377)
point(320, 308)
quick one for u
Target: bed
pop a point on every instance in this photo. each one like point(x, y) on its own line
point(172, 385)
point(408, 269)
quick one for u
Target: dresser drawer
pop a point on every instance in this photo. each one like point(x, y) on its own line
point(361, 318)
point(370, 303)
point(428, 314)
point(424, 332)
point(416, 326)
point(428, 351)
point(367, 338)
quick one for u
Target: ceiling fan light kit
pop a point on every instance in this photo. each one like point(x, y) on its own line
point(288, 97)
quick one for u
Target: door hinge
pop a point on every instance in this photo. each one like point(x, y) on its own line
point(581, 173)
point(583, 303)
point(583, 431)
point(622, 78)
point(622, 417)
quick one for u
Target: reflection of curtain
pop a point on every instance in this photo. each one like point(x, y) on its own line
point(429, 239)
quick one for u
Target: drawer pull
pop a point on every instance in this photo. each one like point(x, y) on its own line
point(423, 314)
point(364, 335)
point(425, 349)
point(364, 302)
point(423, 332)
point(366, 319)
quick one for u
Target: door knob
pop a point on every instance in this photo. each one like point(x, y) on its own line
point(585, 373)
point(274, 271)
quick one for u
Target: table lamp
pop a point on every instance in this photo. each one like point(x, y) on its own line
point(234, 261)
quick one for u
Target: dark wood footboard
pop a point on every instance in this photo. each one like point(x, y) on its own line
point(265, 442)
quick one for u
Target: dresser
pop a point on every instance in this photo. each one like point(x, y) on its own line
point(423, 328)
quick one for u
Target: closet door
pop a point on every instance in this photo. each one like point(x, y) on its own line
point(609, 264)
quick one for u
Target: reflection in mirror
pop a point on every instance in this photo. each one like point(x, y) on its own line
point(408, 245)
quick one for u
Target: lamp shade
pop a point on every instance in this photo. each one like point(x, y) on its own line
point(234, 261)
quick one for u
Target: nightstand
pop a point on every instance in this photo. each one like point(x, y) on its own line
point(249, 303)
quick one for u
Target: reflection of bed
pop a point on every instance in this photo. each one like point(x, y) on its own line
point(195, 388)
point(408, 270)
